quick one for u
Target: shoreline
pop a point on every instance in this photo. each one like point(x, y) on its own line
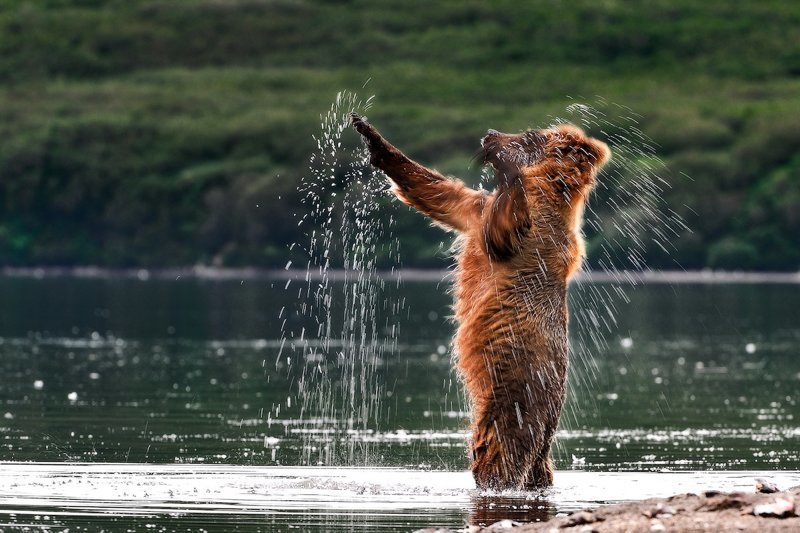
point(765, 511)
point(400, 275)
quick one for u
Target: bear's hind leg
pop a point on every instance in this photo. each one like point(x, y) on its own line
point(508, 453)
point(540, 474)
point(502, 453)
point(494, 469)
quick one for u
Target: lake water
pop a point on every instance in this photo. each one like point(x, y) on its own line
point(163, 404)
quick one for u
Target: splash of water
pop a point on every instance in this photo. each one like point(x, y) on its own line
point(338, 385)
point(638, 221)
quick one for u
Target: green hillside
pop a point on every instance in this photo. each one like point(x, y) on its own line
point(145, 133)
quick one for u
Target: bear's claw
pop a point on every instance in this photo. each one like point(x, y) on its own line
point(361, 125)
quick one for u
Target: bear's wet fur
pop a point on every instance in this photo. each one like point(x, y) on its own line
point(517, 248)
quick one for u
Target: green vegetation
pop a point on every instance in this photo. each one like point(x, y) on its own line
point(175, 132)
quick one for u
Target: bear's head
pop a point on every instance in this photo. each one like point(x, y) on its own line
point(562, 153)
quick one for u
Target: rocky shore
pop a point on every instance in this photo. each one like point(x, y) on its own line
point(719, 512)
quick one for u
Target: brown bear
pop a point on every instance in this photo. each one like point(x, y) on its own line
point(517, 248)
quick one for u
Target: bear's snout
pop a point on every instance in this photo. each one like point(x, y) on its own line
point(490, 133)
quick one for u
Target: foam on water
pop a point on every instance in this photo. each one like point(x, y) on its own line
point(168, 496)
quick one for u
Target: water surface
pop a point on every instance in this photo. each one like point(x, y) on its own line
point(121, 391)
point(227, 498)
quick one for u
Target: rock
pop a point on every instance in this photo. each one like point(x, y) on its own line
point(779, 508)
point(660, 509)
point(765, 486)
point(720, 502)
point(580, 518)
point(502, 525)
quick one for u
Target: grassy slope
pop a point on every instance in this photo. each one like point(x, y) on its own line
point(148, 132)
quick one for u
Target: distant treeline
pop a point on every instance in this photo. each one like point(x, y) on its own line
point(164, 133)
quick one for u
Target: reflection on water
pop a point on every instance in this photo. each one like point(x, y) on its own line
point(694, 378)
point(486, 509)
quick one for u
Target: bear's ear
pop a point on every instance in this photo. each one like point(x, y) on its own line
point(581, 148)
point(598, 152)
point(576, 158)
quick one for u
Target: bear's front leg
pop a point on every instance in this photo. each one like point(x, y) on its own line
point(382, 154)
point(447, 201)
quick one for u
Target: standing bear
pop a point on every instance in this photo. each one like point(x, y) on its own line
point(517, 248)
